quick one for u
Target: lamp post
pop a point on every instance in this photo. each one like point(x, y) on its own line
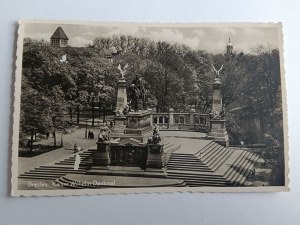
point(93, 108)
point(86, 129)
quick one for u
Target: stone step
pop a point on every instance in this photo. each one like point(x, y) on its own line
point(214, 166)
point(207, 149)
point(189, 169)
point(216, 157)
point(248, 166)
point(82, 159)
point(40, 177)
point(182, 154)
point(193, 173)
point(212, 153)
point(190, 157)
point(197, 178)
point(247, 172)
point(234, 171)
point(204, 185)
point(240, 169)
point(198, 181)
point(186, 161)
point(72, 163)
point(55, 169)
point(236, 160)
point(187, 164)
point(237, 165)
point(55, 172)
point(62, 167)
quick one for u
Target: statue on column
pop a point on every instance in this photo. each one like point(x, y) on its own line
point(123, 71)
point(217, 71)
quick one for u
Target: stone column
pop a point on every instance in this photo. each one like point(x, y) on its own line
point(121, 103)
point(121, 96)
point(192, 118)
point(218, 131)
point(171, 118)
point(217, 96)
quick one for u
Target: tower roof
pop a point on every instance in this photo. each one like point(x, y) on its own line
point(59, 34)
point(229, 43)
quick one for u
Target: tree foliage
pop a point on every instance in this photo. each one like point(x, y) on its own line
point(175, 76)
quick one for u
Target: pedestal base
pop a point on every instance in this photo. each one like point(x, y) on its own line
point(218, 132)
point(101, 157)
point(135, 125)
point(156, 157)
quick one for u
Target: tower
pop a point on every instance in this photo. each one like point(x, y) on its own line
point(59, 38)
point(229, 48)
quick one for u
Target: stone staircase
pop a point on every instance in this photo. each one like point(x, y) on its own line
point(212, 165)
point(55, 170)
point(209, 164)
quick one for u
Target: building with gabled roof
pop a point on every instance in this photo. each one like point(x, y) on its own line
point(59, 38)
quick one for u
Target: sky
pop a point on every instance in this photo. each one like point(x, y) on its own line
point(211, 39)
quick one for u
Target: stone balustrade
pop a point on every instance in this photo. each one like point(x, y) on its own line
point(182, 121)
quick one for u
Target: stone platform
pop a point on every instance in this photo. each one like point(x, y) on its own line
point(135, 125)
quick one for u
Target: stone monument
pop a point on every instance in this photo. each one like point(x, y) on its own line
point(102, 156)
point(122, 105)
point(218, 131)
point(131, 148)
point(155, 157)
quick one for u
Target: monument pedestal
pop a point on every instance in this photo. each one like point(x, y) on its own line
point(155, 156)
point(218, 132)
point(156, 160)
point(137, 126)
point(101, 157)
point(119, 124)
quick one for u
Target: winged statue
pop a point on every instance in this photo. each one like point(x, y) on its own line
point(123, 70)
point(217, 71)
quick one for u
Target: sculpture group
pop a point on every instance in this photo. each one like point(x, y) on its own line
point(136, 92)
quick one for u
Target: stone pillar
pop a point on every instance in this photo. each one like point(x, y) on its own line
point(119, 120)
point(217, 130)
point(121, 96)
point(151, 117)
point(192, 118)
point(217, 96)
point(171, 118)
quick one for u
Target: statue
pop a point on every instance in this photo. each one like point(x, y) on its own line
point(222, 113)
point(136, 92)
point(120, 113)
point(155, 139)
point(104, 134)
point(217, 71)
point(123, 71)
point(216, 115)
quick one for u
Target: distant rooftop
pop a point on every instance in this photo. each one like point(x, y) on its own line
point(59, 34)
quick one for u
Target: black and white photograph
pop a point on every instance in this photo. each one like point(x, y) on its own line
point(149, 107)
